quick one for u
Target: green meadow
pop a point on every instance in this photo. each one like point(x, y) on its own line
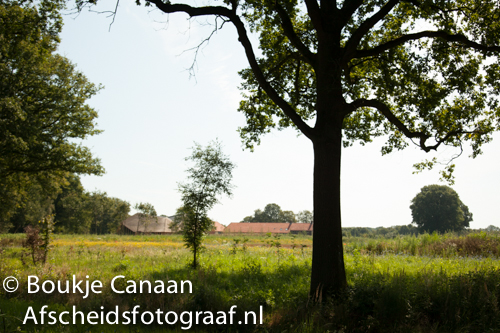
point(425, 283)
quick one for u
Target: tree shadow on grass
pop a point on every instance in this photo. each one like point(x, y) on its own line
point(251, 288)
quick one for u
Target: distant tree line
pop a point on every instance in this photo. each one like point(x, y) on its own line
point(273, 213)
point(75, 210)
point(389, 232)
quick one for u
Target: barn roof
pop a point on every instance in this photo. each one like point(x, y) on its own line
point(265, 227)
point(258, 227)
point(218, 227)
point(161, 225)
point(301, 226)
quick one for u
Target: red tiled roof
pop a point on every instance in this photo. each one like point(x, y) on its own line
point(301, 226)
point(218, 227)
point(258, 227)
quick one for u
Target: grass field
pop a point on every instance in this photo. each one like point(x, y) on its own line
point(429, 283)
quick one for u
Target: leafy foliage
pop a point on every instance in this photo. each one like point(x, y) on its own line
point(181, 215)
point(438, 208)
point(305, 216)
point(42, 96)
point(209, 178)
point(43, 114)
point(75, 210)
point(32, 199)
point(272, 213)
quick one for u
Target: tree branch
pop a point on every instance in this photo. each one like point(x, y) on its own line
point(270, 91)
point(168, 8)
point(314, 13)
point(384, 109)
point(231, 15)
point(287, 26)
point(423, 136)
point(425, 34)
point(363, 29)
point(348, 10)
point(197, 48)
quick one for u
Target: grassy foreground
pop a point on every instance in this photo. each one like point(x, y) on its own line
point(428, 283)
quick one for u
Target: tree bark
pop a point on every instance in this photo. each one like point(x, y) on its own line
point(195, 263)
point(328, 272)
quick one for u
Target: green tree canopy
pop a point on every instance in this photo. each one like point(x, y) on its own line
point(30, 202)
point(305, 216)
point(42, 95)
point(43, 114)
point(271, 213)
point(438, 208)
point(75, 210)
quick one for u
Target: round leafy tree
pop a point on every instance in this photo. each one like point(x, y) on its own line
point(438, 208)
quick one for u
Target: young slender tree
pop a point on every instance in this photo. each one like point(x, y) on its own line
point(415, 71)
point(209, 178)
point(147, 214)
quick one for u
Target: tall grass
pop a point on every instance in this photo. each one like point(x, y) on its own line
point(412, 284)
point(447, 245)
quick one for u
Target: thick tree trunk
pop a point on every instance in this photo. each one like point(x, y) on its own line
point(328, 272)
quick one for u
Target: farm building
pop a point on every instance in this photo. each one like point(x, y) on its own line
point(161, 225)
point(265, 227)
point(297, 228)
point(218, 228)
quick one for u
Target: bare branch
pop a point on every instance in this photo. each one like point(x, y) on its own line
point(231, 15)
point(114, 14)
point(76, 11)
point(168, 7)
point(197, 48)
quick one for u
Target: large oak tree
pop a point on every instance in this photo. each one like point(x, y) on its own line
point(416, 71)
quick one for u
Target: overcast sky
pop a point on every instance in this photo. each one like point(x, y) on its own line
point(152, 112)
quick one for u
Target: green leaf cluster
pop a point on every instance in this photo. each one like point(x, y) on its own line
point(273, 213)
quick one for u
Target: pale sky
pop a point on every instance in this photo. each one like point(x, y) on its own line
point(152, 112)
